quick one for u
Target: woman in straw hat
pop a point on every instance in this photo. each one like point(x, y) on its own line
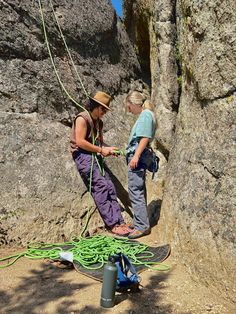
point(87, 138)
point(138, 149)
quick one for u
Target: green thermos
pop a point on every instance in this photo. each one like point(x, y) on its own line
point(109, 283)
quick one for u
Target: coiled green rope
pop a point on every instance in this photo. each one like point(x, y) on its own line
point(90, 251)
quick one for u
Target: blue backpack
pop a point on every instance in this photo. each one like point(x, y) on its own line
point(127, 277)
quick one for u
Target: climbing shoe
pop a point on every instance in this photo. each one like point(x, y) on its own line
point(135, 234)
point(128, 227)
point(121, 230)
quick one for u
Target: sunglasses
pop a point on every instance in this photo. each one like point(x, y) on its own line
point(103, 109)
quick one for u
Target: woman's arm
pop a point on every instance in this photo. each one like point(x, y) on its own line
point(141, 146)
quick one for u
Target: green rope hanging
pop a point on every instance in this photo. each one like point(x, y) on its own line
point(90, 211)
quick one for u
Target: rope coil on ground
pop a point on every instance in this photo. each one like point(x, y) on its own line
point(90, 251)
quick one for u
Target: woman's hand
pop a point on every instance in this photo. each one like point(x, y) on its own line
point(141, 146)
point(134, 162)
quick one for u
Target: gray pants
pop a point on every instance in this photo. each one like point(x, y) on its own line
point(138, 197)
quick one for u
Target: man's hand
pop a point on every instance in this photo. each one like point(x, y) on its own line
point(107, 151)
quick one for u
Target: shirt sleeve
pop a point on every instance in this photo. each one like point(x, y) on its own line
point(145, 125)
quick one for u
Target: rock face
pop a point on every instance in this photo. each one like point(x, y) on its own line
point(151, 26)
point(198, 208)
point(42, 196)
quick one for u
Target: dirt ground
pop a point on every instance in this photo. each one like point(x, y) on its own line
point(37, 286)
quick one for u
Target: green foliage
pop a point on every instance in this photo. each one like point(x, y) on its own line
point(180, 80)
point(230, 99)
point(178, 54)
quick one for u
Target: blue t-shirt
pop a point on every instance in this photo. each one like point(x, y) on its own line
point(144, 127)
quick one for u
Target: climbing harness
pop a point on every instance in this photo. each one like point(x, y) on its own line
point(148, 159)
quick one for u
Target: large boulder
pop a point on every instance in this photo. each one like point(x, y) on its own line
point(199, 200)
point(192, 44)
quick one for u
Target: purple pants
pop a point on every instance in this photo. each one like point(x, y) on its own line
point(103, 190)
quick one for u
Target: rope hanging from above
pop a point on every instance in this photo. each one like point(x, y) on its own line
point(67, 49)
point(94, 157)
point(51, 57)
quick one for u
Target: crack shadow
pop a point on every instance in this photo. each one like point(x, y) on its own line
point(154, 211)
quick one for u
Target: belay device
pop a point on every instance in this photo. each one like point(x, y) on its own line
point(127, 277)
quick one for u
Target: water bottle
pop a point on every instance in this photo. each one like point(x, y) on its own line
point(109, 284)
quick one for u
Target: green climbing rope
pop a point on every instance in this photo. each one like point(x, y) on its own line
point(52, 61)
point(67, 49)
point(120, 152)
point(89, 213)
point(91, 252)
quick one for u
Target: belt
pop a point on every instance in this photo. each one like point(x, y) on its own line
point(79, 151)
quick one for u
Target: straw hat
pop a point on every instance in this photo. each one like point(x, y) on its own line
point(102, 98)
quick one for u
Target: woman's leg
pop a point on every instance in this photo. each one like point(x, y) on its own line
point(137, 194)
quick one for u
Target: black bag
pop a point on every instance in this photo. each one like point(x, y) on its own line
point(150, 160)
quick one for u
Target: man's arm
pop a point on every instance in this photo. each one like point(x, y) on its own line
point(81, 142)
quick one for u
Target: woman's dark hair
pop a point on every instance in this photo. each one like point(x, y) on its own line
point(91, 104)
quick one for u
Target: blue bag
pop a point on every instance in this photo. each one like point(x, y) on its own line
point(127, 277)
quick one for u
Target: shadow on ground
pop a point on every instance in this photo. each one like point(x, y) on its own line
point(38, 289)
point(46, 285)
point(146, 301)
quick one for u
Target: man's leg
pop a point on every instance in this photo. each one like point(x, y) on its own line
point(104, 195)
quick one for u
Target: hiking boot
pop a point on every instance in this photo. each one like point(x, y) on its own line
point(121, 230)
point(135, 234)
